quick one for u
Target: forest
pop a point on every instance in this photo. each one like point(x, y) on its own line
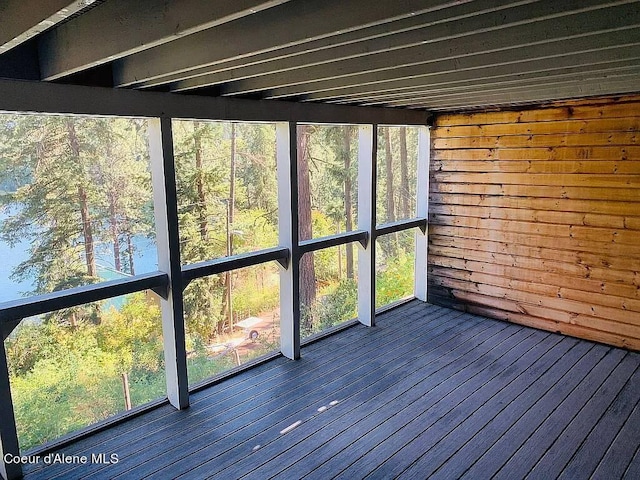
point(76, 195)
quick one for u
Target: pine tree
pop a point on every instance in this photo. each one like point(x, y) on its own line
point(305, 228)
point(79, 183)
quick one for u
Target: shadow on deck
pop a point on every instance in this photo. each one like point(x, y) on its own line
point(428, 393)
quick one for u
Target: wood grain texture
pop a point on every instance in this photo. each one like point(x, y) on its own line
point(623, 107)
point(588, 126)
point(534, 217)
point(428, 393)
point(518, 141)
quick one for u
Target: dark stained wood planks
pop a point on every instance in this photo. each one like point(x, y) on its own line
point(428, 393)
point(535, 217)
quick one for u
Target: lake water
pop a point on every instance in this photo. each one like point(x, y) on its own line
point(145, 260)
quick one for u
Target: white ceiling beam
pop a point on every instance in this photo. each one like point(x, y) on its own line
point(426, 95)
point(554, 51)
point(45, 97)
point(530, 94)
point(117, 28)
point(481, 82)
point(23, 19)
point(518, 35)
point(297, 22)
point(531, 66)
point(401, 33)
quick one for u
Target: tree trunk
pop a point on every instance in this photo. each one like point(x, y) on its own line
point(405, 193)
point(307, 268)
point(392, 243)
point(232, 181)
point(132, 270)
point(201, 202)
point(227, 306)
point(348, 209)
point(115, 235)
point(339, 255)
point(391, 217)
point(87, 231)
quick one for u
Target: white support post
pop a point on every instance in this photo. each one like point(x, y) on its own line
point(287, 166)
point(8, 435)
point(422, 193)
point(367, 158)
point(168, 240)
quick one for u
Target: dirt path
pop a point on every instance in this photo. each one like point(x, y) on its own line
point(268, 329)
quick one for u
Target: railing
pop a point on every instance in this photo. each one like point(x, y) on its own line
point(171, 279)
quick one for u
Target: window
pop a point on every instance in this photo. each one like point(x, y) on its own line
point(328, 288)
point(231, 318)
point(395, 267)
point(74, 367)
point(327, 180)
point(397, 172)
point(77, 207)
point(107, 265)
point(227, 188)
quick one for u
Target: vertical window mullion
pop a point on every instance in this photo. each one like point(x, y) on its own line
point(367, 158)
point(422, 194)
point(168, 243)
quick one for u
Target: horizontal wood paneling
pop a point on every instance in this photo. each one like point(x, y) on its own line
point(535, 217)
point(588, 166)
point(624, 107)
point(557, 193)
point(551, 141)
point(617, 154)
point(628, 124)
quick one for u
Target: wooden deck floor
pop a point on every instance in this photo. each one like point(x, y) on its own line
point(428, 393)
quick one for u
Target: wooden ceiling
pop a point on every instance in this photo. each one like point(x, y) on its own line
point(437, 55)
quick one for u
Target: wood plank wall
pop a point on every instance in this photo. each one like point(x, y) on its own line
point(535, 217)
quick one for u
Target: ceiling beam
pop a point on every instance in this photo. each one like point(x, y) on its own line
point(537, 61)
point(529, 95)
point(401, 33)
point(426, 96)
point(481, 81)
point(466, 65)
point(297, 22)
point(44, 97)
point(456, 46)
point(117, 28)
point(242, 67)
point(23, 19)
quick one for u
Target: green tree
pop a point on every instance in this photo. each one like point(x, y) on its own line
point(125, 205)
point(305, 226)
point(199, 178)
point(227, 204)
point(51, 205)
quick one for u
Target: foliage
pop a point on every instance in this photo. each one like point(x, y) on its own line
point(334, 307)
point(201, 366)
point(402, 173)
point(256, 290)
point(395, 280)
point(210, 216)
point(80, 182)
point(72, 377)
